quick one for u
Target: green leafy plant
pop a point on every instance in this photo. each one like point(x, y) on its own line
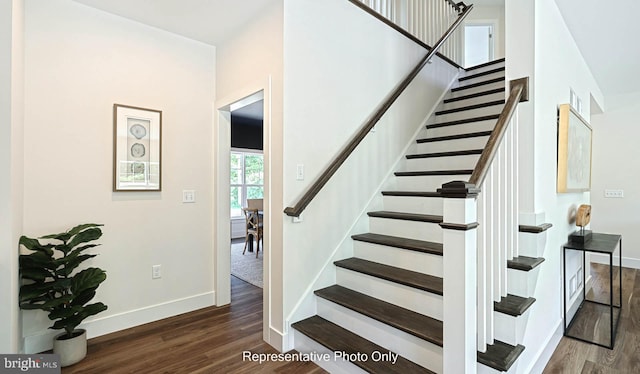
point(52, 284)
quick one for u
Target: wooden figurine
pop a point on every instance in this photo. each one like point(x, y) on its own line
point(583, 217)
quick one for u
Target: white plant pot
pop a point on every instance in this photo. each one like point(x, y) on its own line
point(71, 350)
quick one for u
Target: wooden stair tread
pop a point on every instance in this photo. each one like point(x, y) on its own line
point(474, 95)
point(524, 263)
point(513, 305)
point(463, 121)
point(500, 356)
point(487, 72)
point(454, 137)
point(412, 193)
point(485, 64)
point(406, 216)
point(432, 172)
point(394, 274)
point(406, 320)
point(489, 81)
point(398, 242)
point(338, 339)
point(465, 152)
point(535, 229)
point(470, 107)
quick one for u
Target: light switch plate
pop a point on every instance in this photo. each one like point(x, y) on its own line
point(300, 172)
point(188, 196)
point(614, 193)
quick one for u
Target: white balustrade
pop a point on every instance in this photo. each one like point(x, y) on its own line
point(427, 20)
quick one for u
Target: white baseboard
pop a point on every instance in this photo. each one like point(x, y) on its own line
point(627, 262)
point(278, 340)
point(100, 326)
point(546, 351)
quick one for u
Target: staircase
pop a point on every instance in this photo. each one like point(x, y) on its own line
point(388, 298)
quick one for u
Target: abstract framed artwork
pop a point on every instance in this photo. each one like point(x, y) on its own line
point(137, 149)
point(574, 151)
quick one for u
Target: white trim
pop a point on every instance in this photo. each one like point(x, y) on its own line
point(101, 326)
point(543, 355)
point(627, 262)
point(221, 186)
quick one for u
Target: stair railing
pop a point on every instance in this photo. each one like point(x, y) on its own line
point(481, 234)
point(356, 139)
point(424, 20)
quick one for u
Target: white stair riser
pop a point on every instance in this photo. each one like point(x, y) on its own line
point(485, 68)
point(406, 229)
point(463, 128)
point(473, 101)
point(406, 345)
point(482, 78)
point(469, 91)
point(510, 329)
point(522, 283)
point(411, 204)
point(402, 258)
point(472, 113)
point(477, 142)
point(419, 301)
point(426, 183)
point(305, 344)
point(442, 163)
point(530, 244)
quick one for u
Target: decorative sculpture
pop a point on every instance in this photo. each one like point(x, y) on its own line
point(583, 217)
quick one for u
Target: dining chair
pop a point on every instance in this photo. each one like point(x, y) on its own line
point(254, 225)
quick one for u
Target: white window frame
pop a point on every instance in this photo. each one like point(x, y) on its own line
point(243, 186)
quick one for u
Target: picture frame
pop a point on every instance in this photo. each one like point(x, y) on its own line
point(574, 151)
point(137, 148)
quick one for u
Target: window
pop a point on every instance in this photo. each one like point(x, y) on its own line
point(247, 179)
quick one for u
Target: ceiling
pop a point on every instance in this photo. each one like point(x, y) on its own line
point(208, 21)
point(603, 32)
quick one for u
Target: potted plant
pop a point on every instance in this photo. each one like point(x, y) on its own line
point(54, 284)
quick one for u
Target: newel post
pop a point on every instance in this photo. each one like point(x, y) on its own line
point(459, 277)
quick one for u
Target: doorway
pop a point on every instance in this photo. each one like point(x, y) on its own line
point(247, 185)
point(222, 192)
point(478, 43)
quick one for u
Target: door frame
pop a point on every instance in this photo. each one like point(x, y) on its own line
point(221, 191)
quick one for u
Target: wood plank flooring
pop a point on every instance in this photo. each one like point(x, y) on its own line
point(209, 340)
point(572, 356)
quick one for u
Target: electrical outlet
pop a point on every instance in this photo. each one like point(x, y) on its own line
point(580, 277)
point(572, 286)
point(156, 272)
point(188, 196)
point(614, 193)
point(300, 172)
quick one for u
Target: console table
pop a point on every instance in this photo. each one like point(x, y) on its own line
point(584, 320)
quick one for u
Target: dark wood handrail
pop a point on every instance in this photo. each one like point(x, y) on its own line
point(317, 185)
point(519, 93)
point(404, 32)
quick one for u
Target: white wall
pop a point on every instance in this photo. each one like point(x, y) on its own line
point(340, 64)
point(559, 66)
point(11, 167)
point(79, 61)
point(615, 146)
point(253, 60)
point(484, 14)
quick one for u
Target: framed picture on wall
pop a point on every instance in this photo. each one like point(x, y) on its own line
point(137, 148)
point(574, 151)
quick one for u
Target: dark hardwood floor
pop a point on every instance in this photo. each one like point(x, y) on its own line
point(573, 356)
point(209, 340)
